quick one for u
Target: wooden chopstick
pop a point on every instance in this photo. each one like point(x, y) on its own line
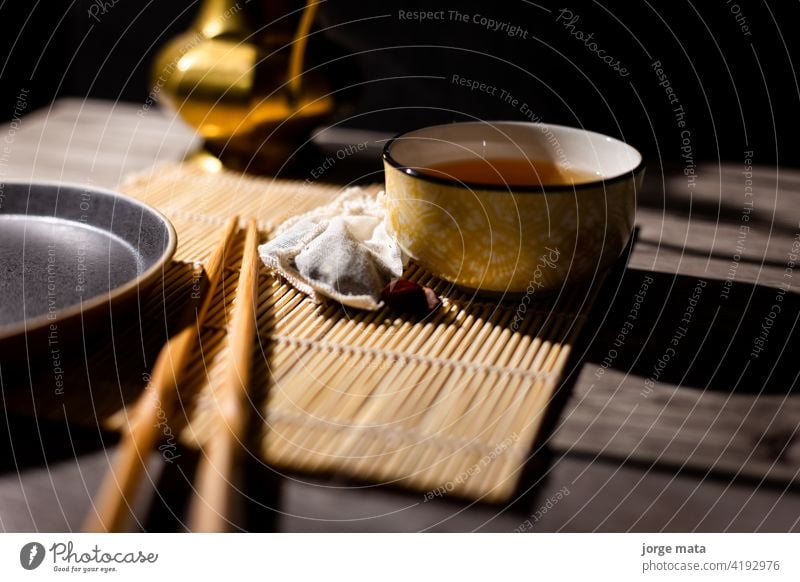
point(112, 501)
point(214, 503)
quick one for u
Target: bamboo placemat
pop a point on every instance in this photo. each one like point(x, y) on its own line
point(446, 404)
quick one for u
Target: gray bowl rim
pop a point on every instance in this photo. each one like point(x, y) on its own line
point(39, 322)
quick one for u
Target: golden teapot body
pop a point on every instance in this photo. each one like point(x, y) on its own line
point(243, 88)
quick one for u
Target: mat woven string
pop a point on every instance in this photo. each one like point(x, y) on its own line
point(452, 402)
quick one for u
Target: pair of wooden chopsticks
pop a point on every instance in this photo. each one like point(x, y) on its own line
point(212, 506)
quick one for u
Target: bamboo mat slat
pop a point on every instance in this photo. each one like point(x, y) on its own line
point(452, 402)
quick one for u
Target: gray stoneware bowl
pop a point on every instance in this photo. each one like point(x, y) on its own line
point(68, 254)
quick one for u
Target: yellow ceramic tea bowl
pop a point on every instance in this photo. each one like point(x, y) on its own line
point(512, 239)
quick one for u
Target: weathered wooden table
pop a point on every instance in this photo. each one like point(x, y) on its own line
point(683, 411)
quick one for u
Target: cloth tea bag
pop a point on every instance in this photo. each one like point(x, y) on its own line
point(341, 250)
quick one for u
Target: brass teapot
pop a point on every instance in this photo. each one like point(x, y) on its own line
point(243, 86)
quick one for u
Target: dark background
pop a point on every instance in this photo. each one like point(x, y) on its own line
point(740, 92)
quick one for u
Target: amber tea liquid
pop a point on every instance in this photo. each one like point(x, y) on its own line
point(508, 172)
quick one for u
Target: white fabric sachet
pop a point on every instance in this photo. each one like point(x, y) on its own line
point(341, 250)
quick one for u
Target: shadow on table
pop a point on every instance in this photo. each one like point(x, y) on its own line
point(691, 333)
point(701, 333)
point(711, 201)
point(27, 442)
point(695, 335)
